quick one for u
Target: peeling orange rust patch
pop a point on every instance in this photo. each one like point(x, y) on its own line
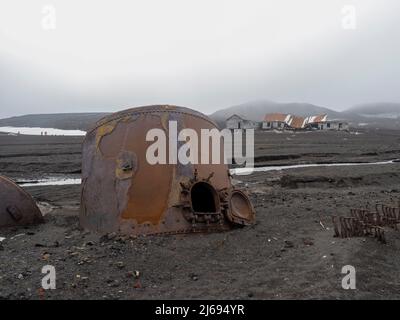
point(107, 128)
point(103, 131)
point(124, 193)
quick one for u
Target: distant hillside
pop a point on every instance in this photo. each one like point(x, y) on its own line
point(256, 110)
point(66, 121)
point(370, 116)
point(386, 110)
point(374, 115)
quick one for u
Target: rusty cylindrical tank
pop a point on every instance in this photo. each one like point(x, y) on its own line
point(122, 192)
point(17, 208)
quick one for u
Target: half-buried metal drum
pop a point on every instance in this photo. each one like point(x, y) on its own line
point(17, 208)
point(123, 192)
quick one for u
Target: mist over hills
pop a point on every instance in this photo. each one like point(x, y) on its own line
point(256, 110)
point(371, 115)
point(387, 110)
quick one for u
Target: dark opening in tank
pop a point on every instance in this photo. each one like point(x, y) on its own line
point(204, 198)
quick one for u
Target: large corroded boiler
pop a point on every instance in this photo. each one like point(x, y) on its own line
point(17, 208)
point(123, 192)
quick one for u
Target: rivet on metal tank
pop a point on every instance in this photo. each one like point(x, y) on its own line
point(17, 208)
point(123, 192)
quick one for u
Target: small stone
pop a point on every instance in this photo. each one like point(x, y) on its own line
point(193, 277)
point(289, 244)
point(122, 238)
point(45, 256)
point(20, 276)
point(111, 235)
point(120, 265)
point(308, 241)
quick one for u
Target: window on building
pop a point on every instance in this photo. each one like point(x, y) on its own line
point(328, 124)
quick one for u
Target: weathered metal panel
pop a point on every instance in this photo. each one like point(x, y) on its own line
point(17, 208)
point(122, 192)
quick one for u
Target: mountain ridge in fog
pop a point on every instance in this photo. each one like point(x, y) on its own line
point(380, 109)
point(65, 121)
point(379, 115)
point(256, 110)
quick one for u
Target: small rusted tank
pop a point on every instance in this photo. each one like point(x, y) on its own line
point(17, 208)
point(122, 192)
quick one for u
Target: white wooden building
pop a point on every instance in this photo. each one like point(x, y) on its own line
point(237, 122)
point(338, 125)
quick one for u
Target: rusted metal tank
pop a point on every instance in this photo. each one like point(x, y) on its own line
point(123, 192)
point(17, 208)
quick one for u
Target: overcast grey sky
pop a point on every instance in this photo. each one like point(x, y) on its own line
point(92, 55)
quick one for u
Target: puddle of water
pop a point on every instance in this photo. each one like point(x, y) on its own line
point(243, 171)
point(237, 171)
point(49, 182)
point(42, 131)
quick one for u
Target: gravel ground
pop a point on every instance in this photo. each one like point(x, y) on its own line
point(290, 253)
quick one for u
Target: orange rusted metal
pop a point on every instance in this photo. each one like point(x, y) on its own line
point(17, 208)
point(123, 192)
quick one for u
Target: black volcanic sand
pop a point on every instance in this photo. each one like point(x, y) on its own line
point(37, 157)
point(290, 253)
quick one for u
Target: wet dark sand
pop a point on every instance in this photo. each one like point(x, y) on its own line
point(287, 254)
